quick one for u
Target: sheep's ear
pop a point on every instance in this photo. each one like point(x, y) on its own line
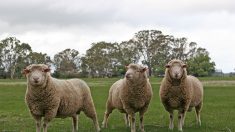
point(126, 66)
point(25, 71)
point(184, 66)
point(47, 70)
point(144, 69)
point(167, 66)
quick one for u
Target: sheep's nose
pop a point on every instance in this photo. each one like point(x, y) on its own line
point(128, 75)
point(36, 79)
point(177, 74)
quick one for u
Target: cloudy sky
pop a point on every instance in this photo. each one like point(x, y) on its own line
point(51, 26)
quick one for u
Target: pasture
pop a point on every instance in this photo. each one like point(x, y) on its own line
point(218, 113)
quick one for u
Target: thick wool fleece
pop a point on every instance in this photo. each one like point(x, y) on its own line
point(180, 94)
point(59, 98)
point(130, 96)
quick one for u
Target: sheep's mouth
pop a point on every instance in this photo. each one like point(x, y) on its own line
point(176, 76)
point(36, 83)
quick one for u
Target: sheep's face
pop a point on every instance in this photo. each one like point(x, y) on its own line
point(36, 74)
point(176, 69)
point(135, 71)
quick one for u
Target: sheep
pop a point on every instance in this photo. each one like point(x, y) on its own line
point(179, 91)
point(130, 95)
point(50, 98)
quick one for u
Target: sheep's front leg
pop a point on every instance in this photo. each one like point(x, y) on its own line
point(49, 115)
point(75, 122)
point(141, 121)
point(38, 122)
point(127, 120)
point(132, 122)
point(131, 113)
point(141, 114)
point(171, 124)
point(181, 117)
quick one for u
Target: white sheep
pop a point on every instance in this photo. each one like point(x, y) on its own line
point(130, 95)
point(49, 97)
point(181, 92)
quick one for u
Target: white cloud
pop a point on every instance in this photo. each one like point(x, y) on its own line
point(52, 26)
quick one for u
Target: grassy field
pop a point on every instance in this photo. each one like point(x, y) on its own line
point(218, 114)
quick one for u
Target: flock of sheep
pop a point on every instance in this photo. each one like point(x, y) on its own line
point(47, 97)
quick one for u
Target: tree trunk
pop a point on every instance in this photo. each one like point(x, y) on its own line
point(12, 72)
point(149, 69)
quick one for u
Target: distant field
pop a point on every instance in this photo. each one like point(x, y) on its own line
point(218, 114)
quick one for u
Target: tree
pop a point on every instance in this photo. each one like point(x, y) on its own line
point(182, 49)
point(67, 62)
point(13, 55)
point(148, 42)
point(128, 53)
point(39, 58)
point(200, 64)
point(102, 59)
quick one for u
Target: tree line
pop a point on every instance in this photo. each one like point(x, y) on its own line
point(104, 59)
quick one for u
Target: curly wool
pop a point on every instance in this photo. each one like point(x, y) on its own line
point(59, 98)
point(181, 94)
point(129, 96)
point(175, 94)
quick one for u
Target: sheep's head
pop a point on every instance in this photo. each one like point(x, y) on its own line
point(135, 71)
point(36, 74)
point(176, 69)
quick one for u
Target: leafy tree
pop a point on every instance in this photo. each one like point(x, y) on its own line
point(67, 62)
point(13, 55)
point(128, 53)
point(101, 59)
point(148, 42)
point(39, 58)
point(200, 64)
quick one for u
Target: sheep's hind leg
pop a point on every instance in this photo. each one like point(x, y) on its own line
point(89, 110)
point(198, 111)
point(108, 111)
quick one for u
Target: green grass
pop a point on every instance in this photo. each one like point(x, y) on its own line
point(218, 114)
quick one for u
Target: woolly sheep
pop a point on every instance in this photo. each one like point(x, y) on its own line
point(49, 97)
point(181, 92)
point(130, 95)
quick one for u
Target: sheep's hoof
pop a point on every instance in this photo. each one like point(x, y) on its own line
point(171, 127)
point(104, 125)
point(199, 123)
point(98, 130)
point(180, 129)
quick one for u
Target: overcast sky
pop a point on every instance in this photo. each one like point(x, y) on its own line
point(51, 26)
